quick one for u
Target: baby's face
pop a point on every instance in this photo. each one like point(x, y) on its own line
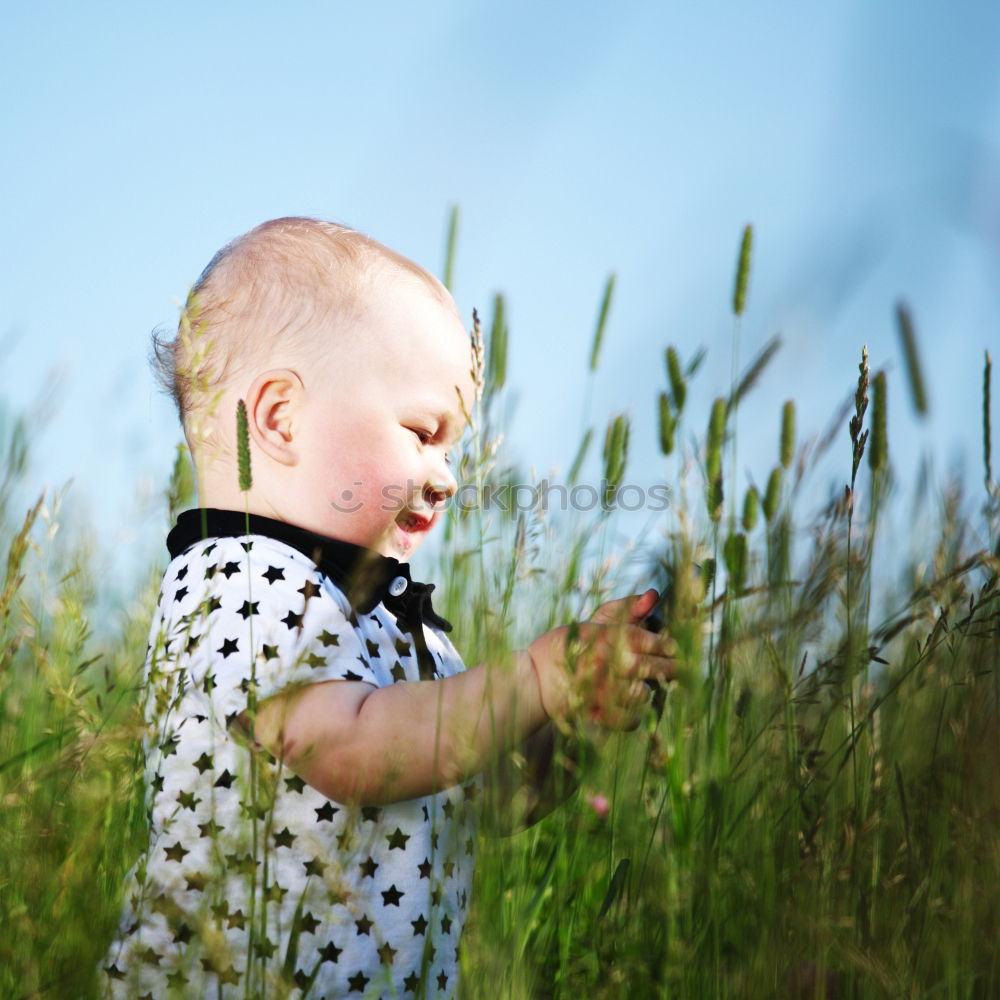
point(382, 412)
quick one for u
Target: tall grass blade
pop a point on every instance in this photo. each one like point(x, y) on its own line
point(987, 443)
point(678, 384)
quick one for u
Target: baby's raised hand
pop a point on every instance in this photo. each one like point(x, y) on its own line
point(598, 668)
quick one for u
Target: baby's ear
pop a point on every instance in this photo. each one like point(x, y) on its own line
point(271, 403)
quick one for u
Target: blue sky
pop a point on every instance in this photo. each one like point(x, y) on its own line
point(863, 142)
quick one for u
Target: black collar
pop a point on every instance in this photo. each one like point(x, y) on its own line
point(364, 576)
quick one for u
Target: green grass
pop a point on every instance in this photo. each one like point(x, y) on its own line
point(813, 813)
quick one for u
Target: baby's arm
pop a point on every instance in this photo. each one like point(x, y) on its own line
point(357, 743)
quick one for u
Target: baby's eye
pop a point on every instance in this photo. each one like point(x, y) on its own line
point(423, 436)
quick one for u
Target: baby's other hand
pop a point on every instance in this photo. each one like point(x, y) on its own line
point(597, 668)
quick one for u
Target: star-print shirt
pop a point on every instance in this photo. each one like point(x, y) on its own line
point(254, 883)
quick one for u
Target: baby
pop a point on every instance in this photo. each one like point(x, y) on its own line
point(315, 746)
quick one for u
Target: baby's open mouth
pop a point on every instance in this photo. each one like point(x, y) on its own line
point(411, 521)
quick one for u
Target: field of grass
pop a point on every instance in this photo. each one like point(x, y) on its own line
point(811, 810)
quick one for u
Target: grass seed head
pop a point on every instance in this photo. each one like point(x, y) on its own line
point(772, 496)
point(743, 271)
point(987, 444)
point(787, 450)
point(878, 453)
point(243, 446)
point(667, 425)
point(907, 334)
point(602, 320)
point(496, 372)
point(751, 505)
point(735, 552)
point(678, 385)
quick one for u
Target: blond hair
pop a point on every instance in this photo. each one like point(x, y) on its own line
point(262, 296)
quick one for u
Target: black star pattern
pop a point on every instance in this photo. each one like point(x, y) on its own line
point(228, 646)
point(314, 867)
point(208, 550)
point(247, 546)
point(274, 893)
point(294, 783)
point(392, 896)
point(195, 882)
point(198, 779)
point(329, 952)
point(229, 975)
point(397, 839)
point(176, 853)
point(284, 838)
point(264, 947)
point(357, 982)
point(326, 812)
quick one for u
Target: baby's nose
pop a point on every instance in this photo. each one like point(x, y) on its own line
point(440, 487)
